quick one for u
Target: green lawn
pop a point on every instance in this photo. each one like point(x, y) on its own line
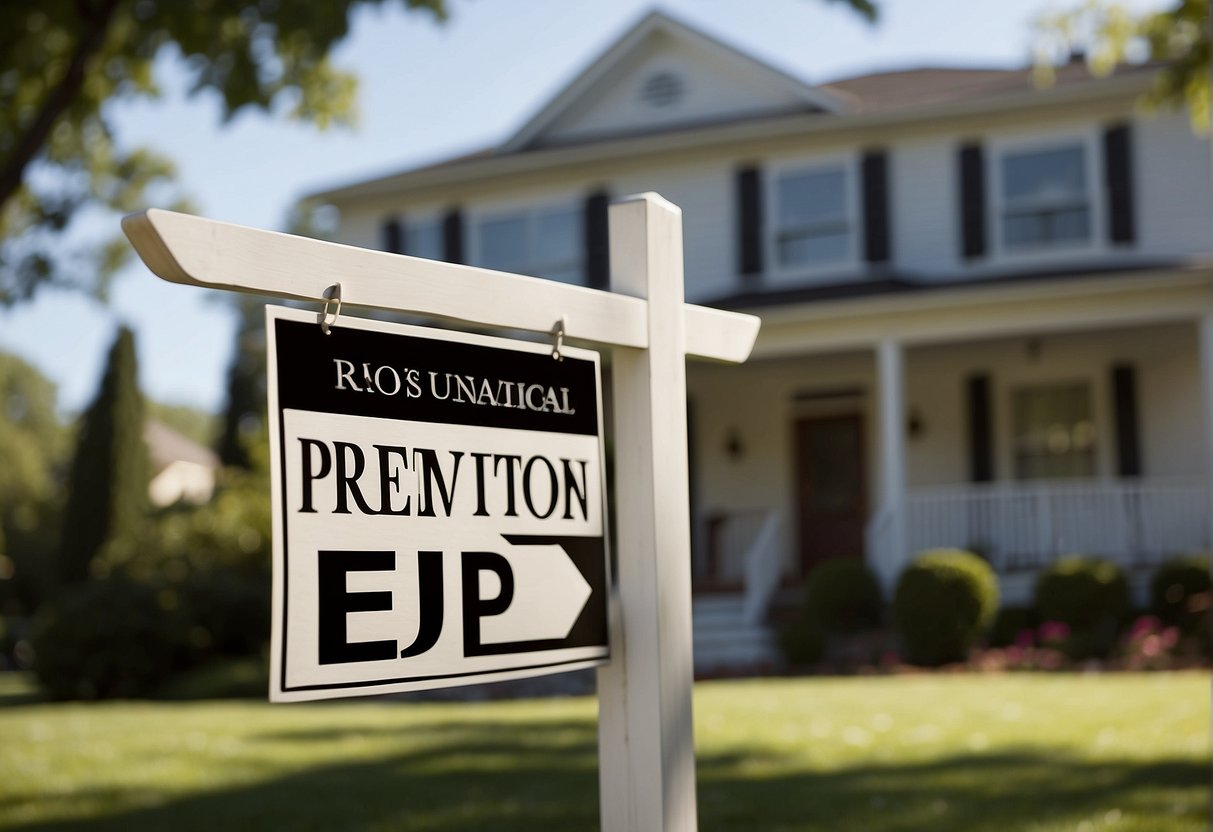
point(938, 752)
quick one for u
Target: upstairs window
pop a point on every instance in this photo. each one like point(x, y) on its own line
point(544, 243)
point(813, 225)
point(423, 239)
point(1054, 431)
point(1045, 199)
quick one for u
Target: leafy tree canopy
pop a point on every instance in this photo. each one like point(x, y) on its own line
point(63, 62)
point(1110, 33)
point(32, 439)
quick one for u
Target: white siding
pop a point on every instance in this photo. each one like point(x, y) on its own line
point(923, 200)
point(712, 90)
point(1173, 210)
point(704, 191)
point(1172, 178)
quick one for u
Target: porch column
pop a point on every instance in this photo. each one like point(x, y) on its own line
point(891, 521)
point(1206, 389)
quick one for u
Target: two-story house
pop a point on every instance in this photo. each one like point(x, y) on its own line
point(987, 309)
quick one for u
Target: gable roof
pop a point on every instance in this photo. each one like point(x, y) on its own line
point(920, 86)
point(605, 71)
point(885, 98)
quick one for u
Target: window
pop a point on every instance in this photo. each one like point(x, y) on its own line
point(546, 243)
point(1054, 431)
point(424, 239)
point(1045, 201)
point(812, 220)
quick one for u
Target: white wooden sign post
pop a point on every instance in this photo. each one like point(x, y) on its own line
point(646, 749)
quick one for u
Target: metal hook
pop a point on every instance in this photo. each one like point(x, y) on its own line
point(332, 293)
point(558, 331)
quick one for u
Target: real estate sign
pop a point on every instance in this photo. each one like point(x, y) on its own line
point(438, 508)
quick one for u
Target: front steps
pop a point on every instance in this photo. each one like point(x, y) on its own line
point(725, 644)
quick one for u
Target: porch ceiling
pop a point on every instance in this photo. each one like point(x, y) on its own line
point(946, 314)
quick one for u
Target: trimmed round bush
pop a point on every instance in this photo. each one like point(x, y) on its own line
point(1084, 592)
point(801, 643)
point(944, 601)
point(1174, 592)
point(107, 638)
point(1089, 595)
point(841, 596)
point(1009, 624)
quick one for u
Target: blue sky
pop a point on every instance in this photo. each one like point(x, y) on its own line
point(427, 91)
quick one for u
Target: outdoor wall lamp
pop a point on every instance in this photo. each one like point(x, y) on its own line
point(733, 446)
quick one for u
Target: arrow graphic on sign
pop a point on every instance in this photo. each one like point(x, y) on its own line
point(521, 594)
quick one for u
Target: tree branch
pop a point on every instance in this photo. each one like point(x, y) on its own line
point(95, 24)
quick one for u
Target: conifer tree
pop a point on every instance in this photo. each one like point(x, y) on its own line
point(244, 413)
point(107, 484)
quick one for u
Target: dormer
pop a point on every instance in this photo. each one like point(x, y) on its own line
point(664, 75)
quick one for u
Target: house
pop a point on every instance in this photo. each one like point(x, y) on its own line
point(987, 308)
point(182, 470)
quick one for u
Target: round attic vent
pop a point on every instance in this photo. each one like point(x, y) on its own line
point(661, 89)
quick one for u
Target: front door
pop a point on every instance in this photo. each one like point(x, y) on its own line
point(831, 499)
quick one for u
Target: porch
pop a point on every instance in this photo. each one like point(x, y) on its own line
point(1018, 433)
point(1017, 527)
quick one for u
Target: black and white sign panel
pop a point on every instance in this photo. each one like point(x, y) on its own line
point(438, 508)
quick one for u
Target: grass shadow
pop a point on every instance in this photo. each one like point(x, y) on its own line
point(538, 774)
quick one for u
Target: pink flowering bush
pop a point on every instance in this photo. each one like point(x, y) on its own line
point(1150, 644)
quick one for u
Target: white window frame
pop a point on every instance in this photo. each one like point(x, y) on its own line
point(776, 273)
point(1011, 378)
point(999, 148)
point(529, 210)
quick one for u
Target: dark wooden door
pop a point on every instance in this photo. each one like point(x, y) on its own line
point(832, 493)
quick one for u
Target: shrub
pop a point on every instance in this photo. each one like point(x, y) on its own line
point(944, 600)
point(107, 638)
point(1010, 624)
point(1090, 596)
point(840, 596)
point(801, 643)
point(1179, 593)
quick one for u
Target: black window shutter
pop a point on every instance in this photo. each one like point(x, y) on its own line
point(1118, 176)
point(392, 233)
point(875, 170)
point(1124, 409)
point(972, 202)
point(749, 222)
point(597, 245)
point(981, 428)
point(452, 236)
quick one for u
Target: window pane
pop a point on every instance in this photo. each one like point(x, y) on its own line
point(805, 198)
point(814, 248)
point(1050, 176)
point(503, 244)
point(558, 236)
point(1045, 198)
point(1039, 227)
point(1054, 432)
point(423, 239)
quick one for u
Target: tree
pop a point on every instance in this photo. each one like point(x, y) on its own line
point(107, 484)
point(244, 413)
point(1109, 33)
point(62, 62)
point(31, 438)
point(33, 445)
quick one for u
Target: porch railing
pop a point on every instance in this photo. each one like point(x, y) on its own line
point(1021, 526)
point(743, 553)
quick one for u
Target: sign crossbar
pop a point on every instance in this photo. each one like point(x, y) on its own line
point(182, 248)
